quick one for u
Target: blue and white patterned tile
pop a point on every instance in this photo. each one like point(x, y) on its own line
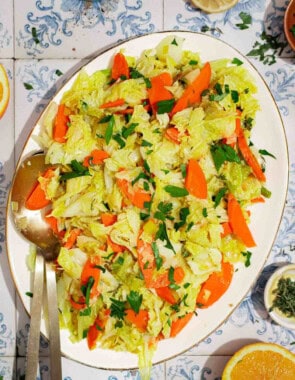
point(233, 25)
point(79, 28)
point(7, 368)
point(72, 370)
point(7, 137)
point(7, 293)
point(22, 332)
point(6, 30)
point(195, 368)
point(36, 83)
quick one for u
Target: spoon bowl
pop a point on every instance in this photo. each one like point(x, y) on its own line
point(32, 225)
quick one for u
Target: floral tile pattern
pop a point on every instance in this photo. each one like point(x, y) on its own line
point(6, 30)
point(7, 293)
point(78, 28)
point(7, 137)
point(50, 40)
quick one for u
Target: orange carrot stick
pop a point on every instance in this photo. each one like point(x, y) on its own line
point(137, 197)
point(146, 260)
point(238, 223)
point(195, 181)
point(247, 153)
point(140, 319)
point(172, 134)
point(227, 230)
point(258, 200)
point(95, 330)
point(78, 305)
point(179, 324)
point(167, 294)
point(96, 157)
point(117, 248)
point(52, 221)
point(60, 126)
point(215, 286)
point(108, 219)
point(120, 67)
point(71, 240)
point(36, 199)
point(113, 103)
point(158, 91)
point(90, 270)
point(192, 94)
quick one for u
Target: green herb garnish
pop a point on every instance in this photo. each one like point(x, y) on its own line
point(78, 170)
point(135, 300)
point(117, 308)
point(246, 21)
point(158, 258)
point(223, 152)
point(165, 106)
point(284, 299)
point(176, 191)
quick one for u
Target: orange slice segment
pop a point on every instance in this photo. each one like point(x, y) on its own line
point(259, 361)
point(4, 90)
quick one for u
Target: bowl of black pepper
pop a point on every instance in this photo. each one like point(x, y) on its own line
point(279, 296)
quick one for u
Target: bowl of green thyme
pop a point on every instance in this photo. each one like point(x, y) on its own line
point(279, 296)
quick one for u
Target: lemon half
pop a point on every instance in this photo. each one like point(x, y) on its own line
point(214, 6)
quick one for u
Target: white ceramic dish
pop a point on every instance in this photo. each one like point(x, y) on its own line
point(285, 271)
point(268, 134)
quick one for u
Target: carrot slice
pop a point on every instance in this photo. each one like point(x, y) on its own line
point(117, 248)
point(78, 305)
point(192, 94)
point(158, 91)
point(96, 157)
point(137, 197)
point(52, 221)
point(113, 103)
point(247, 153)
point(172, 134)
point(166, 294)
point(36, 199)
point(90, 269)
point(108, 219)
point(140, 319)
point(227, 230)
point(96, 329)
point(120, 67)
point(60, 126)
point(238, 223)
point(258, 200)
point(146, 260)
point(215, 286)
point(195, 181)
point(179, 324)
point(71, 240)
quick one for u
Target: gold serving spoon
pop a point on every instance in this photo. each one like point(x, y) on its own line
point(32, 225)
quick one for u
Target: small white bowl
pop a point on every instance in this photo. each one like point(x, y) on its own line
point(285, 271)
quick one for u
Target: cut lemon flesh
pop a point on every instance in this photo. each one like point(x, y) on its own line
point(4, 90)
point(259, 361)
point(214, 6)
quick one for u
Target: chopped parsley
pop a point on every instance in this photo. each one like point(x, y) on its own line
point(223, 152)
point(78, 170)
point(109, 130)
point(176, 191)
point(247, 256)
point(246, 20)
point(158, 258)
point(135, 300)
point(117, 308)
point(284, 299)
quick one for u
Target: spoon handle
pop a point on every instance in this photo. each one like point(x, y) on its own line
point(34, 335)
point(54, 337)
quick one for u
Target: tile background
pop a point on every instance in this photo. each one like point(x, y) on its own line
point(39, 38)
